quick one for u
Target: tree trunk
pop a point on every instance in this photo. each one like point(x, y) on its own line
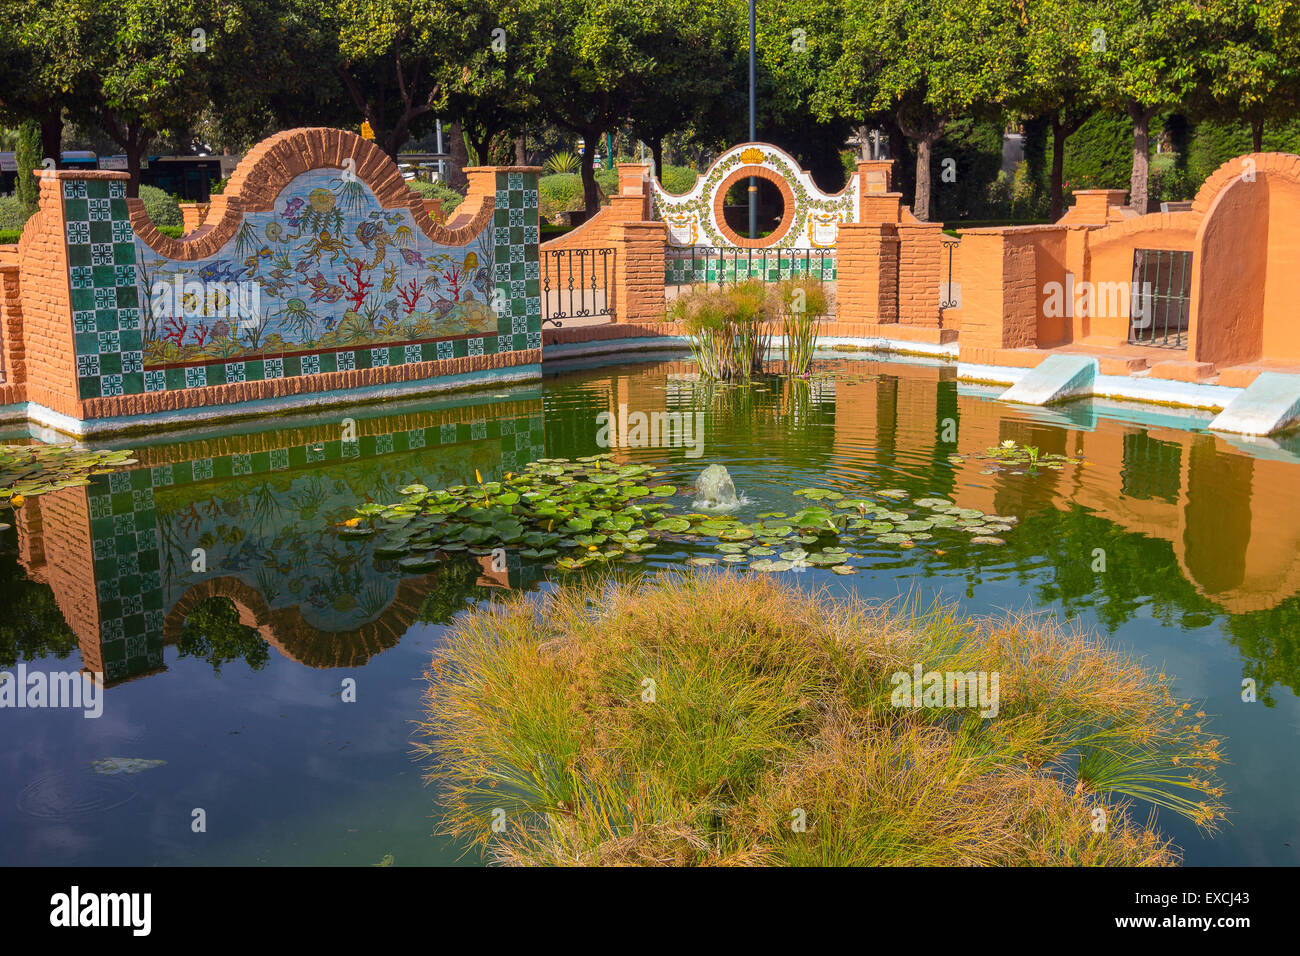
point(521, 151)
point(1138, 181)
point(590, 196)
point(864, 143)
point(133, 153)
point(1059, 135)
point(457, 157)
point(657, 155)
point(52, 135)
point(921, 200)
point(1257, 133)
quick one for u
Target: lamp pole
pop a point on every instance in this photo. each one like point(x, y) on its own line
point(753, 182)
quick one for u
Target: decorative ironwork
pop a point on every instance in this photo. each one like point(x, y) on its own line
point(949, 294)
point(576, 283)
point(1160, 298)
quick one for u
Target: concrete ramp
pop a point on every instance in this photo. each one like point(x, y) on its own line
point(1056, 378)
point(1270, 404)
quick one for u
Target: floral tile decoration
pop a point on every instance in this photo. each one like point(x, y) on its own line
point(325, 281)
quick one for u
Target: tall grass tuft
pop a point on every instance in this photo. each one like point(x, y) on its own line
point(800, 303)
point(695, 720)
point(728, 328)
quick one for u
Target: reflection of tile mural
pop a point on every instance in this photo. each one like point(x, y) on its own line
point(325, 281)
point(264, 508)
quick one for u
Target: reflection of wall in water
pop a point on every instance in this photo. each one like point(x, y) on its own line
point(118, 553)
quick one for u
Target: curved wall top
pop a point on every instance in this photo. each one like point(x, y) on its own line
point(810, 220)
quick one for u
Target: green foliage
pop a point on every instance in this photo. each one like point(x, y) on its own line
point(450, 198)
point(14, 214)
point(8, 236)
point(27, 157)
point(212, 632)
point(559, 192)
point(162, 207)
point(976, 148)
point(562, 162)
point(32, 626)
point(678, 179)
point(1100, 153)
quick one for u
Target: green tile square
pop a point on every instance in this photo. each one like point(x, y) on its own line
point(106, 320)
point(83, 300)
point(516, 235)
point(396, 355)
point(88, 387)
point(132, 383)
point(76, 210)
point(428, 351)
point(78, 255)
point(329, 362)
point(292, 365)
point(102, 276)
point(131, 341)
point(87, 343)
point(363, 358)
point(460, 348)
point(110, 363)
point(128, 297)
point(520, 341)
point(516, 199)
point(489, 345)
point(254, 370)
point(501, 217)
point(96, 188)
point(533, 287)
point(217, 374)
point(261, 461)
point(175, 377)
point(101, 231)
point(124, 253)
point(117, 209)
point(517, 272)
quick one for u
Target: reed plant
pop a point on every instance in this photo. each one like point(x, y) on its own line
point(720, 719)
point(727, 327)
point(800, 303)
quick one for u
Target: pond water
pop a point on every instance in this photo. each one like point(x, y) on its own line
point(1198, 534)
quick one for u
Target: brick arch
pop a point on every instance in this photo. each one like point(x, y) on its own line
point(787, 214)
point(276, 161)
point(1286, 165)
point(289, 633)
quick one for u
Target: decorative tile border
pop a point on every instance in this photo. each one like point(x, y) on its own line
point(682, 268)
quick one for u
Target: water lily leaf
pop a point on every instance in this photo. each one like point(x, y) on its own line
point(895, 493)
point(663, 491)
point(768, 566)
point(987, 539)
point(675, 525)
point(844, 569)
point(702, 562)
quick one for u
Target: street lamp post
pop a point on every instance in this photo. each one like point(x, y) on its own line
point(753, 182)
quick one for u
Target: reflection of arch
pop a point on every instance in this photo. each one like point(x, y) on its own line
point(286, 630)
point(1247, 244)
point(276, 161)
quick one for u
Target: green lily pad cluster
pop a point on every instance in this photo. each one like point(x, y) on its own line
point(567, 513)
point(824, 533)
point(572, 514)
point(30, 470)
point(1015, 459)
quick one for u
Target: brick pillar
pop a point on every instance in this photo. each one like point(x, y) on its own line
point(639, 271)
point(920, 255)
point(193, 214)
point(999, 293)
point(12, 367)
point(1092, 207)
point(875, 176)
point(867, 273)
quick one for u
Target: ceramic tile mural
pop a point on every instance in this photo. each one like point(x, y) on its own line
point(267, 518)
point(326, 281)
point(814, 221)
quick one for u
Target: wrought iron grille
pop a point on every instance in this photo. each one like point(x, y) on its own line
point(949, 292)
point(1160, 298)
point(576, 282)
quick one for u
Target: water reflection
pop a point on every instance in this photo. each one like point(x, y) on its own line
point(252, 518)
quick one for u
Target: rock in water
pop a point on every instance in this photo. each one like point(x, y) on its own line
point(714, 489)
point(112, 766)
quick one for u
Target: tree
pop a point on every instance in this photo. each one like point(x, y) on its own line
point(1250, 65)
point(929, 61)
point(1144, 60)
point(1057, 36)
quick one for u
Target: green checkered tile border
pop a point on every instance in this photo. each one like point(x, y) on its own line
point(522, 440)
point(103, 285)
point(124, 547)
point(124, 520)
point(107, 306)
point(680, 268)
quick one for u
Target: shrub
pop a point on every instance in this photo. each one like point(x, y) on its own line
point(27, 157)
point(767, 700)
point(162, 207)
point(560, 192)
point(562, 162)
point(450, 198)
point(677, 179)
point(14, 213)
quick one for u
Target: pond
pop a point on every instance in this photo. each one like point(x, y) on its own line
point(275, 665)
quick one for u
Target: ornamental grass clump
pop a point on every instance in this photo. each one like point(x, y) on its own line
point(728, 328)
point(800, 304)
point(721, 719)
